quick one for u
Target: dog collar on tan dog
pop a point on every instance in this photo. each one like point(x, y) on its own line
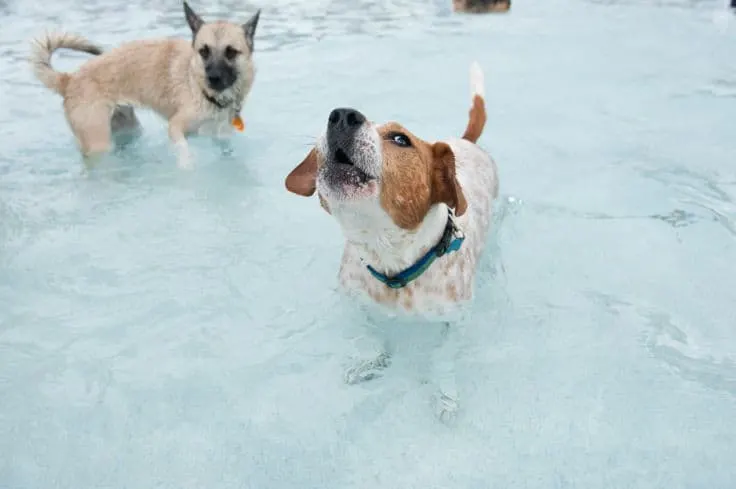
point(451, 240)
point(236, 121)
point(214, 101)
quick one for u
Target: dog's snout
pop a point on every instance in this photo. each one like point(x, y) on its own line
point(219, 77)
point(343, 127)
point(345, 119)
point(212, 71)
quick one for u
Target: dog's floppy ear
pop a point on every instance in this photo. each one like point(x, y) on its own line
point(195, 21)
point(445, 187)
point(249, 28)
point(303, 179)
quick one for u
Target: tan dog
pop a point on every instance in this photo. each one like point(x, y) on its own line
point(481, 6)
point(198, 86)
point(415, 216)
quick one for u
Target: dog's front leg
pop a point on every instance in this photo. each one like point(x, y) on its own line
point(372, 352)
point(225, 145)
point(444, 357)
point(178, 126)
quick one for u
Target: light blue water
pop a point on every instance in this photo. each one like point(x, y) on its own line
point(171, 329)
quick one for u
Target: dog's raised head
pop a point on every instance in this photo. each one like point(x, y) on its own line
point(223, 50)
point(481, 6)
point(375, 177)
point(367, 170)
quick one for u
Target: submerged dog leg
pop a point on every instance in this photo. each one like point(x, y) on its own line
point(368, 369)
point(225, 145)
point(124, 125)
point(446, 401)
point(372, 353)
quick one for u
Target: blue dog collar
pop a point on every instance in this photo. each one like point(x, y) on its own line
point(451, 240)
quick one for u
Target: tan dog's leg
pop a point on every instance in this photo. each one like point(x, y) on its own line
point(90, 122)
point(125, 125)
point(178, 126)
point(225, 145)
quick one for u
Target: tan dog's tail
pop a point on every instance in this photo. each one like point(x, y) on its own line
point(43, 47)
point(477, 118)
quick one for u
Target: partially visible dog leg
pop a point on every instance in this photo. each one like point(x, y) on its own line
point(444, 357)
point(225, 145)
point(366, 370)
point(90, 123)
point(178, 126)
point(124, 125)
point(373, 355)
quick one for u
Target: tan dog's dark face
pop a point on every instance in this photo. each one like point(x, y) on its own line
point(481, 6)
point(223, 50)
point(376, 171)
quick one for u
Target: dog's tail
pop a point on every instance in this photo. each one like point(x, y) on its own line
point(477, 118)
point(42, 48)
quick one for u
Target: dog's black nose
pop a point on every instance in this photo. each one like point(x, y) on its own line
point(345, 119)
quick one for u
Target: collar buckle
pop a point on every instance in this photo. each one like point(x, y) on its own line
point(452, 237)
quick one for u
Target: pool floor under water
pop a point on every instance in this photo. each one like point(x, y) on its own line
point(168, 328)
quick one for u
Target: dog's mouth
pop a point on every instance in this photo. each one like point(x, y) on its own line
point(341, 174)
point(351, 173)
point(342, 157)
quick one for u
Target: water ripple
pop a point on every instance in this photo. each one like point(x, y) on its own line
point(716, 196)
point(674, 345)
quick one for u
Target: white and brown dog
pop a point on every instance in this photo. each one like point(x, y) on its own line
point(415, 216)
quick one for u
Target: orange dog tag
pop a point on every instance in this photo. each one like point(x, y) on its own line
point(238, 123)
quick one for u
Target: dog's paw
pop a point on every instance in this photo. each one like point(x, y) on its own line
point(367, 369)
point(446, 408)
point(226, 147)
point(184, 163)
point(184, 160)
point(183, 156)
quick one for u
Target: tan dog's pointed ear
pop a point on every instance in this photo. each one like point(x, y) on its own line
point(249, 28)
point(445, 187)
point(195, 21)
point(303, 179)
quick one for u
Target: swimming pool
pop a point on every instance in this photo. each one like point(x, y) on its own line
point(161, 328)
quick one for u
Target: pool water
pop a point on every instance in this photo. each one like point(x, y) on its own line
point(182, 329)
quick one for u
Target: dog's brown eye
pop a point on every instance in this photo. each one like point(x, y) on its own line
point(400, 139)
point(204, 51)
point(230, 52)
